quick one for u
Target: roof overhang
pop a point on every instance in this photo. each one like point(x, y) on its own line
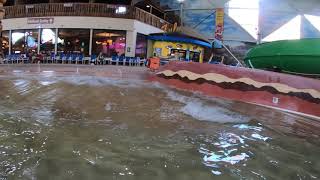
point(171, 38)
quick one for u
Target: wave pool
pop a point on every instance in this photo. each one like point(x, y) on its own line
point(83, 127)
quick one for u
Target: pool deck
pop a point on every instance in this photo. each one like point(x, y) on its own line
point(111, 71)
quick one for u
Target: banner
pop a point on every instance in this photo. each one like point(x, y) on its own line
point(218, 35)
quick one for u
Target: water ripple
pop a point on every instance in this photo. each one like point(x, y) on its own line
point(231, 148)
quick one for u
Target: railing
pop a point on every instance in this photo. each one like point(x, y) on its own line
point(83, 9)
point(149, 18)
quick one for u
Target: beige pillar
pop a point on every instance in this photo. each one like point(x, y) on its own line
point(90, 42)
point(56, 41)
point(131, 40)
point(2, 12)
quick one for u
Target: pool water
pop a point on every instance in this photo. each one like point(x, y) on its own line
point(82, 127)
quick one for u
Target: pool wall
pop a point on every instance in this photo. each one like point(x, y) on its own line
point(288, 93)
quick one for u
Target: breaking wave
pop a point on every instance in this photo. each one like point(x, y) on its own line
point(206, 110)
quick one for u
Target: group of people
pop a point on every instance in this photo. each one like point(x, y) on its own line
point(33, 57)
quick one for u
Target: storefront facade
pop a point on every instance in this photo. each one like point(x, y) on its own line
point(124, 37)
point(178, 47)
point(87, 28)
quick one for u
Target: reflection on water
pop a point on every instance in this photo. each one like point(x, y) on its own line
point(96, 128)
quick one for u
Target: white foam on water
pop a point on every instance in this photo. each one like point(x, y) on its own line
point(23, 86)
point(199, 109)
point(48, 72)
point(227, 159)
point(47, 78)
point(102, 81)
point(232, 148)
point(259, 137)
point(227, 150)
point(108, 107)
point(47, 82)
point(247, 127)
point(255, 134)
point(216, 172)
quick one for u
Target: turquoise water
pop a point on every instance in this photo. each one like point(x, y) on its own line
point(97, 128)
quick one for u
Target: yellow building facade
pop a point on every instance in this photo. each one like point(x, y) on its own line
point(177, 47)
point(165, 49)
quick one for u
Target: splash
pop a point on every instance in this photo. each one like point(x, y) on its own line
point(204, 110)
point(100, 81)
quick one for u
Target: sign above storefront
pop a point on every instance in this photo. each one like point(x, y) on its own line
point(40, 20)
point(218, 35)
point(169, 28)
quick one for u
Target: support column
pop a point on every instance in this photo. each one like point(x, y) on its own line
point(90, 42)
point(2, 13)
point(131, 42)
point(302, 20)
point(150, 49)
point(181, 14)
point(56, 42)
point(259, 32)
point(10, 41)
point(39, 39)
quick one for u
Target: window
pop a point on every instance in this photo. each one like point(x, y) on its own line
point(74, 40)
point(24, 41)
point(31, 40)
point(179, 54)
point(290, 30)
point(48, 38)
point(194, 56)
point(314, 20)
point(109, 42)
point(141, 46)
point(246, 13)
point(18, 41)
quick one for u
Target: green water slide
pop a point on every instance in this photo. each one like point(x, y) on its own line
point(290, 56)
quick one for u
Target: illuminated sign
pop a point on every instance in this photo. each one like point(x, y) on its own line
point(40, 21)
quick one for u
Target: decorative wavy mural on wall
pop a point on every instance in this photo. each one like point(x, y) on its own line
point(220, 78)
